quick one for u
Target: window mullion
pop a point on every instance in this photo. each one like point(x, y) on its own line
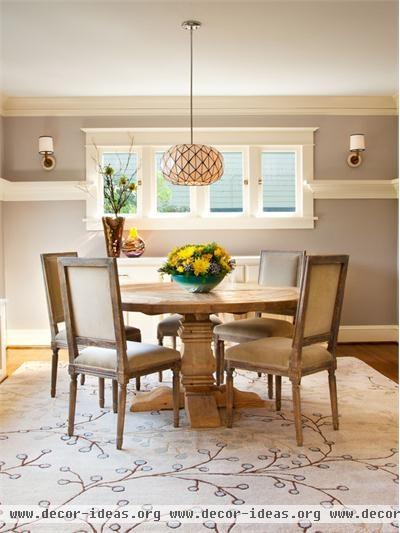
point(200, 200)
point(255, 181)
point(141, 193)
point(246, 181)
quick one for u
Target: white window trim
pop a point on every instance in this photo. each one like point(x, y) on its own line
point(252, 141)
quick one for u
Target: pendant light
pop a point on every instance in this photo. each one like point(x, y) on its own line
point(192, 164)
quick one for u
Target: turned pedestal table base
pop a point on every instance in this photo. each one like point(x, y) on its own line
point(200, 397)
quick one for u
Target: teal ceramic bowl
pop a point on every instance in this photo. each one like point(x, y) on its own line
point(194, 283)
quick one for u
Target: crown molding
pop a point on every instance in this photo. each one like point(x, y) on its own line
point(204, 105)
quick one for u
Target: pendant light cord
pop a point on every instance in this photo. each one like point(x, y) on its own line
point(191, 85)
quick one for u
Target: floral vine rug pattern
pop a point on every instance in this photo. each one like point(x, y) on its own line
point(254, 463)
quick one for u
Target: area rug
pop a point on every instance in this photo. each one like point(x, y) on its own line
point(256, 462)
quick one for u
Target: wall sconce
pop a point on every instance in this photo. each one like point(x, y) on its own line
point(46, 149)
point(357, 145)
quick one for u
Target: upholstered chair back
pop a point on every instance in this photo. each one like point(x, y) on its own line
point(280, 268)
point(92, 303)
point(52, 285)
point(321, 298)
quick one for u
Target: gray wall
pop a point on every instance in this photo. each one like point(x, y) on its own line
point(365, 229)
point(2, 289)
point(1, 213)
point(21, 160)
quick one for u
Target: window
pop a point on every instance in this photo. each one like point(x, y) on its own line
point(265, 185)
point(170, 198)
point(226, 195)
point(124, 164)
point(279, 182)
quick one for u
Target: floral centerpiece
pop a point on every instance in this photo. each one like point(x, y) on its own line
point(198, 267)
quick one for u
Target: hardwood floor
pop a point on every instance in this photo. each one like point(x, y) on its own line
point(383, 357)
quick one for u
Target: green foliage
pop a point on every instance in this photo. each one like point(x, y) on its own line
point(164, 195)
point(119, 188)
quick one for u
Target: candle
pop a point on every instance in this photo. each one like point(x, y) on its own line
point(133, 233)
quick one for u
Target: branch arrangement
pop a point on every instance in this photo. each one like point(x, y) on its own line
point(119, 185)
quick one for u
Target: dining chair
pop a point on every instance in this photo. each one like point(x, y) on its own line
point(277, 268)
point(56, 317)
point(101, 328)
point(317, 322)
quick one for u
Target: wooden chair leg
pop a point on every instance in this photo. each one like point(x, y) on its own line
point(101, 392)
point(54, 367)
point(229, 397)
point(217, 356)
point(259, 374)
point(82, 379)
point(72, 404)
point(270, 386)
point(115, 395)
point(333, 395)
point(297, 412)
point(137, 383)
point(176, 395)
point(121, 414)
point(174, 343)
point(160, 376)
point(220, 363)
point(278, 392)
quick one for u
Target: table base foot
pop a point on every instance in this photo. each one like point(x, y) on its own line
point(201, 408)
point(157, 399)
point(202, 411)
point(241, 399)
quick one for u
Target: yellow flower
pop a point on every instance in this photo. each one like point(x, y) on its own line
point(180, 269)
point(200, 265)
point(186, 252)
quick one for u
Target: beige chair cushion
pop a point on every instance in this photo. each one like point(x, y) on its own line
point(140, 356)
point(254, 328)
point(280, 268)
point(275, 352)
point(132, 334)
point(168, 327)
point(61, 337)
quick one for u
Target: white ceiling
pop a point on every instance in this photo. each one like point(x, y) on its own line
point(100, 48)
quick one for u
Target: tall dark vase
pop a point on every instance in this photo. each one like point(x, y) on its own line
point(113, 228)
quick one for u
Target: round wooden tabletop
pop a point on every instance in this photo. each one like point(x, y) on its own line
point(159, 298)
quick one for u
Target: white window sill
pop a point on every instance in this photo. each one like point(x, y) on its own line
point(212, 223)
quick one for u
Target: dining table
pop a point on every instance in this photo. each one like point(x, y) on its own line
point(201, 397)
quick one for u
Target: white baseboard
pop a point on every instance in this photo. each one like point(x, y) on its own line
point(386, 333)
point(28, 337)
point(369, 333)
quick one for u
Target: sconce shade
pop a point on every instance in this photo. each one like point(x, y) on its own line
point(192, 164)
point(357, 142)
point(46, 145)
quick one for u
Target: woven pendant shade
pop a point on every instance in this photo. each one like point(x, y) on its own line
point(192, 164)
